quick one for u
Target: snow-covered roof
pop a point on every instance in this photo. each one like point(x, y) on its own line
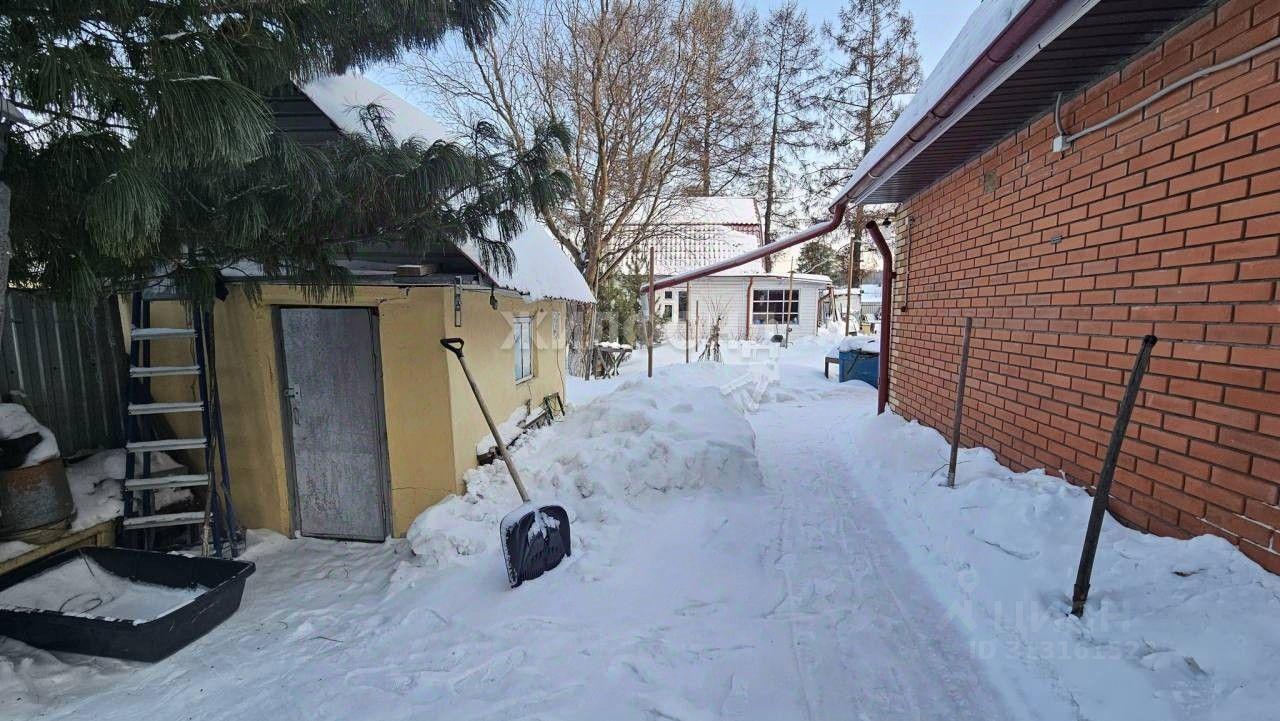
point(342, 97)
point(714, 209)
point(542, 269)
point(985, 24)
point(682, 247)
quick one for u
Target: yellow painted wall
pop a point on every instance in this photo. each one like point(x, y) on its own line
point(432, 420)
point(490, 352)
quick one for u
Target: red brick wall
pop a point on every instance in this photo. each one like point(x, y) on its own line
point(1169, 223)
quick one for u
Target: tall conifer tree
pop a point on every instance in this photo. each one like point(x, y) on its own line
point(149, 147)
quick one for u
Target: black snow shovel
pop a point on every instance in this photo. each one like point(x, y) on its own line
point(535, 538)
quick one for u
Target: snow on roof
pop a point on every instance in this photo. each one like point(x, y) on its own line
point(542, 270)
point(714, 209)
point(983, 27)
point(684, 247)
point(342, 97)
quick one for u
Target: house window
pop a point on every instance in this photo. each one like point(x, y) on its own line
point(682, 304)
point(775, 307)
point(522, 329)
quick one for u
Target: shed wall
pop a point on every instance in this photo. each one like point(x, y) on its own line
point(727, 297)
point(432, 422)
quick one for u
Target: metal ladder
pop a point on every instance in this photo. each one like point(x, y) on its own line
point(220, 536)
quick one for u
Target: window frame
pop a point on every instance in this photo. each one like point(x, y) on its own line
point(775, 306)
point(522, 348)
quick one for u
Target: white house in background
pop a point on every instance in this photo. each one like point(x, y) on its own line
point(748, 302)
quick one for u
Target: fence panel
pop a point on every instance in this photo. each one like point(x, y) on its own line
point(67, 364)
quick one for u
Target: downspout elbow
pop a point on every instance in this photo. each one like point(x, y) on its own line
point(886, 312)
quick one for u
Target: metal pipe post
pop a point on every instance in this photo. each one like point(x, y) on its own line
point(1080, 593)
point(955, 425)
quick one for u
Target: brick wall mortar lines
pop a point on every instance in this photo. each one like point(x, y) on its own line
point(1170, 224)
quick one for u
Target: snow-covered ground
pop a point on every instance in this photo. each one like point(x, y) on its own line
point(96, 491)
point(750, 542)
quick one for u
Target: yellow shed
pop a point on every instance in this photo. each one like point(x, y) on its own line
point(345, 418)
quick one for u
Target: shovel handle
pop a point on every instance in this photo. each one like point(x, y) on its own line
point(454, 345)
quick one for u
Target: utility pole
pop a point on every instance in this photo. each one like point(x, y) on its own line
point(853, 277)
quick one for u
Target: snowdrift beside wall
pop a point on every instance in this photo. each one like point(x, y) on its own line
point(609, 462)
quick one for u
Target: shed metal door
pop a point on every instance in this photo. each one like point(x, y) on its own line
point(335, 422)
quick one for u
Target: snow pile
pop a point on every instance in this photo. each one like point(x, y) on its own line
point(82, 587)
point(509, 429)
point(96, 488)
point(16, 421)
point(610, 459)
point(863, 343)
point(1173, 628)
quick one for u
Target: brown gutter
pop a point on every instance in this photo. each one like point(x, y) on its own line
point(813, 231)
point(1015, 34)
point(886, 314)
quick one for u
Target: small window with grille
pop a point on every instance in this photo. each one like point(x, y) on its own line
point(775, 307)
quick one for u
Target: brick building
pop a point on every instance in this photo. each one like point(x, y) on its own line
point(1166, 221)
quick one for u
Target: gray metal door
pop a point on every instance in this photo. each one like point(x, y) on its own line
point(334, 422)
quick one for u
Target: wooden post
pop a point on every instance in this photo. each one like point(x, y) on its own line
point(697, 320)
point(746, 332)
point(1102, 493)
point(955, 424)
point(653, 319)
point(688, 296)
point(848, 284)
